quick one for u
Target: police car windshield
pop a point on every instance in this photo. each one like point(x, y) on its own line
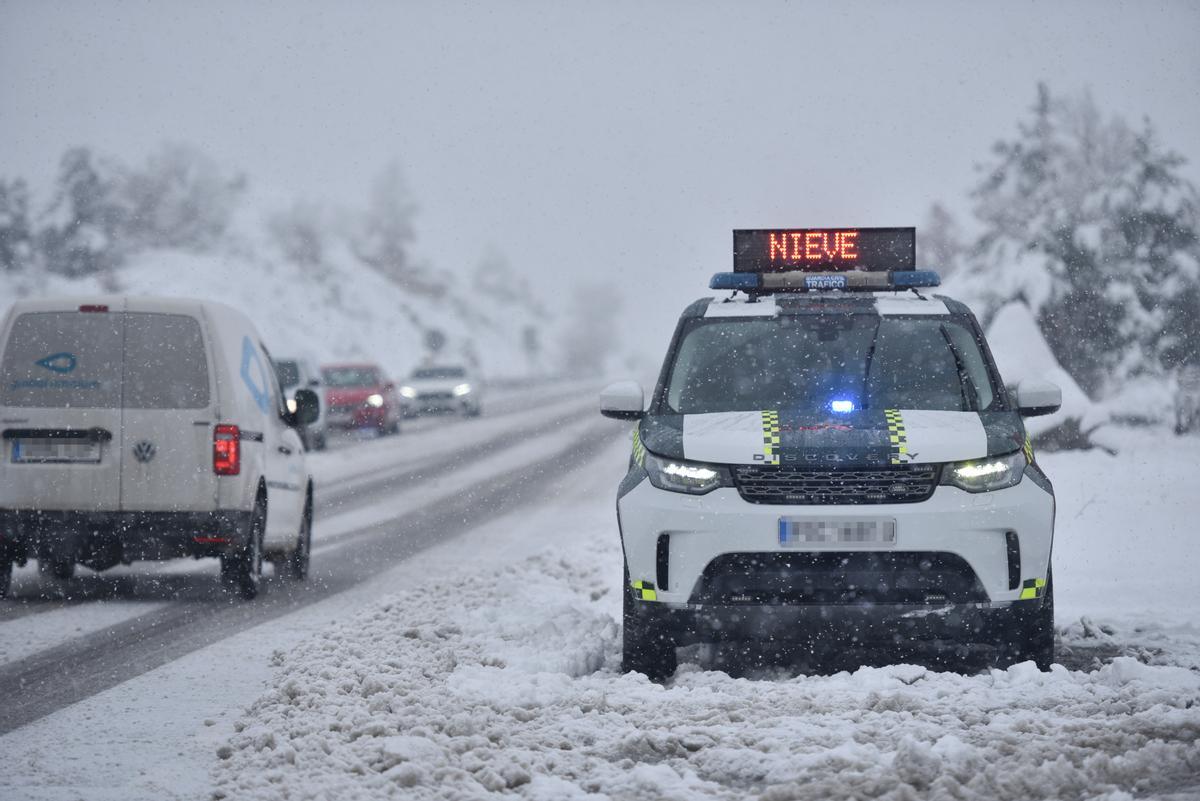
point(811, 361)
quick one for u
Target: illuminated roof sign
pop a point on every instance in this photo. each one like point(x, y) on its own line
point(769, 250)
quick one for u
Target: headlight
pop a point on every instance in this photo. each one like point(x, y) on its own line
point(408, 392)
point(985, 475)
point(291, 404)
point(462, 389)
point(375, 400)
point(676, 475)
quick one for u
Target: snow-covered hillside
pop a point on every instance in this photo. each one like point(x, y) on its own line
point(331, 305)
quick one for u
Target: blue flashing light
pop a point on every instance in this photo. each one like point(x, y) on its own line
point(841, 406)
point(912, 279)
point(744, 281)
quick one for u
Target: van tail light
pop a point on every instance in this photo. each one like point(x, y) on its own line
point(227, 450)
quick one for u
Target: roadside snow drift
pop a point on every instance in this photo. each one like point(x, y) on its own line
point(502, 679)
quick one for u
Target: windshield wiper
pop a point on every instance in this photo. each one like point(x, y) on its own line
point(870, 358)
point(965, 385)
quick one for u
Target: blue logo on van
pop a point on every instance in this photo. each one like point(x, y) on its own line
point(254, 375)
point(58, 363)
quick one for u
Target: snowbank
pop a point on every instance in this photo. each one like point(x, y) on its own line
point(500, 678)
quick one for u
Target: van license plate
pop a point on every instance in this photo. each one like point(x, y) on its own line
point(795, 533)
point(55, 451)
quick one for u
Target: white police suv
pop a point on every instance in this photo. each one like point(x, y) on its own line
point(831, 456)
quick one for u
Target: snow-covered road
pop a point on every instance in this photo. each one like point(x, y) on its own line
point(513, 689)
point(508, 684)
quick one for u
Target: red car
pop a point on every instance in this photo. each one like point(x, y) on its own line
point(360, 396)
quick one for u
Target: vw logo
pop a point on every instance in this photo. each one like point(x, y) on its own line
point(144, 451)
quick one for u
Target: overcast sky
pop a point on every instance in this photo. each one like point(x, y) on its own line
point(616, 140)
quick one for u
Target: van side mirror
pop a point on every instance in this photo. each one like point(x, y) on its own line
point(623, 400)
point(314, 382)
point(1036, 398)
point(308, 408)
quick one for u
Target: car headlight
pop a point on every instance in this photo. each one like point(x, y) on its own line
point(985, 475)
point(375, 400)
point(676, 475)
point(408, 392)
point(291, 405)
point(462, 389)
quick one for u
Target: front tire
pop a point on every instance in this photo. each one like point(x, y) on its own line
point(6, 568)
point(647, 646)
point(1027, 633)
point(61, 568)
point(242, 571)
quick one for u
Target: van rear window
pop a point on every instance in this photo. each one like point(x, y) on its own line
point(165, 363)
point(74, 360)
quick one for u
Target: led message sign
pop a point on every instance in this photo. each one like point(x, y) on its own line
point(777, 249)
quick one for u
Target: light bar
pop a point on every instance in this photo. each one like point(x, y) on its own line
point(816, 282)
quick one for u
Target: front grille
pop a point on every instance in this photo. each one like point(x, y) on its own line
point(343, 408)
point(436, 396)
point(836, 578)
point(806, 486)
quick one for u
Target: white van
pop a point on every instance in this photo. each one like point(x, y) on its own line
point(147, 428)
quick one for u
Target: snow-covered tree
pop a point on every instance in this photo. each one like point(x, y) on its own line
point(300, 234)
point(498, 281)
point(84, 225)
point(1088, 222)
point(179, 199)
point(941, 244)
point(384, 238)
point(17, 247)
point(594, 331)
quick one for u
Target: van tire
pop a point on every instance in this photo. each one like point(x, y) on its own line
point(295, 565)
point(60, 568)
point(242, 571)
point(6, 568)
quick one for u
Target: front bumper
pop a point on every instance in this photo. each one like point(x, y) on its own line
point(441, 402)
point(890, 625)
point(105, 538)
point(963, 527)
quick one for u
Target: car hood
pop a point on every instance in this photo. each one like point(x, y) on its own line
point(350, 395)
point(865, 438)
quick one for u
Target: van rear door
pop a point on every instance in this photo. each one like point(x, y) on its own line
point(60, 410)
point(169, 400)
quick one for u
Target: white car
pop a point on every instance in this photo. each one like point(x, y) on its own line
point(826, 462)
point(297, 373)
point(148, 428)
point(446, 388)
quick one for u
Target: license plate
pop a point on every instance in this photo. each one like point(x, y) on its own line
point(795, 533)
point(55, 450)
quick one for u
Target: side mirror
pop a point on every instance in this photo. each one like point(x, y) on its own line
point(623, 400)
point(1036, 398)
point(308, 408)
point(314, 382)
